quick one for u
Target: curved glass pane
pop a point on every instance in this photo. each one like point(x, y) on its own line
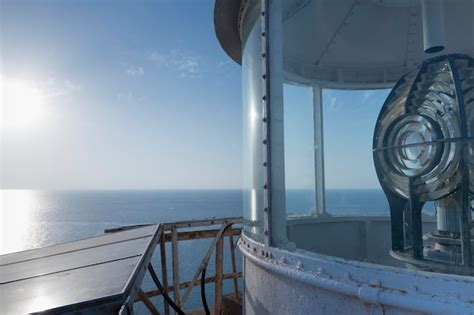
point(299, 150)
point(252, 124)
point(352, 186)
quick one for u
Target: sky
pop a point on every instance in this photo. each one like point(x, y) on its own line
point(133, 95)
point(349, 119)
point(140, 95)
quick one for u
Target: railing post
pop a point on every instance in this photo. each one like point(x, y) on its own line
point(149, 305)
point(164, 270)
point(234, 266)
point(174, 249)
point(218, 278)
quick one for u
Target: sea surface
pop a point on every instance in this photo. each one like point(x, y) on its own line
point(32, 218)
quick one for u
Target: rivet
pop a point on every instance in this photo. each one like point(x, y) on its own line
point(299, 265)
point(264, 119)
point(265, 209)
point(264, 76)
point(265, 164)
point(264, 97)
point(265, 141)
point(263, 55)
point(265, 186)
point(263, 13)
point(263, 33)
point(265, 232)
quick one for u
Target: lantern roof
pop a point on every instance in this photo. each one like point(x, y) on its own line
point(351, 43)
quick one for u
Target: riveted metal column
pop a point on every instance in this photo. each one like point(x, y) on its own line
point(273, 141)
point(465, 215)
point(318, 149)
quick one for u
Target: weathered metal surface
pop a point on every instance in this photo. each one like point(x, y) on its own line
point(192, 230)
point(199, 223)
point(99, 273)
point(204, 262)
point(234, 266)
point(164, 270)
point(175, 255)
point(281, 282)
point(219, 271)
point(195, 235)
point(185, 285)
point(149, 305)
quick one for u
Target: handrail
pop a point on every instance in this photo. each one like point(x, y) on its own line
point(175, 232)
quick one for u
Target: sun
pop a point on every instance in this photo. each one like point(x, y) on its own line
point(22, 104)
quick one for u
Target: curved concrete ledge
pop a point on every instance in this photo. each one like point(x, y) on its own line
point(279, 281)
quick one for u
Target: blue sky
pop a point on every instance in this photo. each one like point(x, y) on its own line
point(349, 122)
point(140, 95)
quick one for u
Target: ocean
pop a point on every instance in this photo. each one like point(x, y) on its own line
point(33, 218)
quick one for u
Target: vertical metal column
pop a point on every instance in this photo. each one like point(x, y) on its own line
point(318, 149)
point(267, 232)
point(164, 270)
point(174, 251)
point(218, 276)
point(273, 133)
point(465, 215)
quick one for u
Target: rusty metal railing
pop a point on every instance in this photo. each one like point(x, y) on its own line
point(201, 229)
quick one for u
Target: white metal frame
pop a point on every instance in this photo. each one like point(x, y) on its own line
point(273, 131)
point(319, 149)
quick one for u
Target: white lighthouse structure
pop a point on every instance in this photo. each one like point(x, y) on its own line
point(313, 52)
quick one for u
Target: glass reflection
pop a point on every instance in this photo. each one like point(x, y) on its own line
point(252, 125)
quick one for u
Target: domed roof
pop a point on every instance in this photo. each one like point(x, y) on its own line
point(351, 43)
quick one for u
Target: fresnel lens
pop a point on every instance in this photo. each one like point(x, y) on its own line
point(423, 151)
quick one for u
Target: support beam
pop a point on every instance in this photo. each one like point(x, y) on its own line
point(319, 184)
point(219, 272)
point(174, 250)
point(273, 134)
point(149, 305)
point(234, 266)
point(433, 25)
point(203, 222)
point(195, 235)
point(164, 269)
point(204, 262)
point(188, 284)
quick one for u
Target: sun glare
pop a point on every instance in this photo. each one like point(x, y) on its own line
point(22, 104)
